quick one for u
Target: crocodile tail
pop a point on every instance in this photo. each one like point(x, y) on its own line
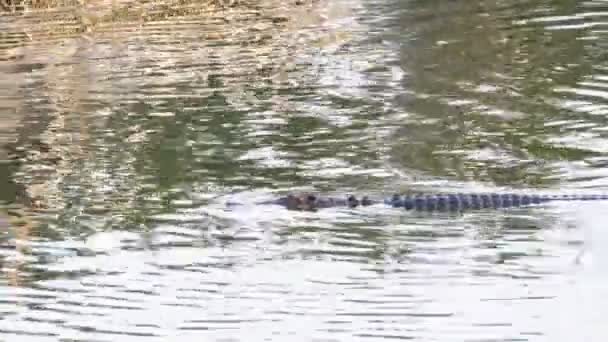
point(461, 201)
point(589, 197)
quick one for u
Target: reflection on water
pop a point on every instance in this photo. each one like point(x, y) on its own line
point(124, 128)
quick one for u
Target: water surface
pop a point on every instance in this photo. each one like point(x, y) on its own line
point(123, 132)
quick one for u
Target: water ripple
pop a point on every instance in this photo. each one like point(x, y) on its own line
point(127, 130)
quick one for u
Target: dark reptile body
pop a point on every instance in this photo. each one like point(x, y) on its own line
point(438, 202)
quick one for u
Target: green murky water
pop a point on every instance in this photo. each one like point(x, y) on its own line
point(123, 133)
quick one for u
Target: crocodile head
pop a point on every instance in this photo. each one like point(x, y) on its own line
point(310, 202)
point(301, 202)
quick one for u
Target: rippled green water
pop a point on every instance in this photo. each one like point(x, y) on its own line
point(123, 133)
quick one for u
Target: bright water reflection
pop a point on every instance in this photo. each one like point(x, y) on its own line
point(124, 131)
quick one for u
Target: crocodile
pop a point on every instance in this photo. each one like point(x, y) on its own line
point(433, 202)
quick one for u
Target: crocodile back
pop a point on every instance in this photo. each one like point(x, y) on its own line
point(461, 201)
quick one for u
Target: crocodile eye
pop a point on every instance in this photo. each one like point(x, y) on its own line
point(352, 201)
point(311, 198)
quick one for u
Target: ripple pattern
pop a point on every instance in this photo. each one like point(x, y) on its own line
point(124, 126)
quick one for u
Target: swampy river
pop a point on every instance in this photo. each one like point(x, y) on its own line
point(126, 125)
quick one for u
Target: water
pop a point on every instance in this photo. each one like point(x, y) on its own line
point(124, 131)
